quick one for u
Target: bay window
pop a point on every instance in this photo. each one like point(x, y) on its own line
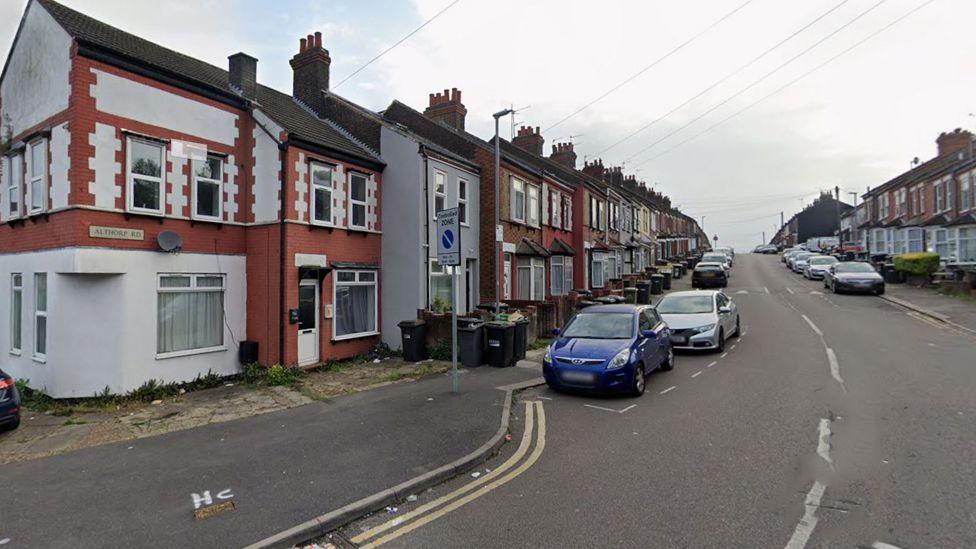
point(913, 239)
point(878, 245)
point(15, 184)
point(355, 304)
point(16, 312)
point(531, 279)
point(321, 194)
point(190, 313)
point(208, 177)
point(518, 199)
point(532, 213)
point(40, 316)
point(967, 244)
point(144, 174)
point(440, 191)
point(945, 244)
point(440, 285)
point(357, 200)
point(598, 269)
point(37, 173)
point(462, 201)
point(561, 282)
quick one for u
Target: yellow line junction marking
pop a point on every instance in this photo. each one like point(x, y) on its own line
point(535, 419)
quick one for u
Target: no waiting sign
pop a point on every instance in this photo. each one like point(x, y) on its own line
point(448, 238)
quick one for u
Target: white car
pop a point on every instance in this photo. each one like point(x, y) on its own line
point(717, 257)
point(818, 266)
point(700, 319)
point(799, 261)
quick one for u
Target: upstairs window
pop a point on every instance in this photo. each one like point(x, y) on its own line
point(518, 200)
point(15, 184)
point(440, 191)
point(532, 212)
point(567, 213)
point(208, 178)
point(37, 170)
point(144, 174)
point(357, 200)
point(321, 194)
point(463, 201)
point(940, 197)
point(966, 192)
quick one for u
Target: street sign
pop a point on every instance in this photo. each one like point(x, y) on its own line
point(448, 238)
point(715, 238)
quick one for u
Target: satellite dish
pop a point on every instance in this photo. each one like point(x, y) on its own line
point(169, 241)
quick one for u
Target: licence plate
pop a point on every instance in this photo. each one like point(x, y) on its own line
point(679, 339)
point(578, 377)
point(708, 275)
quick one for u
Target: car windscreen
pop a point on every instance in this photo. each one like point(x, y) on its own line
point(803, 256)
point(719, 258)
point(853, 268)
point(712, 267)
point(600, 326)
point(686, 305)
point(822, 260)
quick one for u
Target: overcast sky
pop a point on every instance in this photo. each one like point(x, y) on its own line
point(854, 123)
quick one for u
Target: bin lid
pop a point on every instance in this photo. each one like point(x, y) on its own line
point(499, 324)
point(411, 323)
point(657, 276)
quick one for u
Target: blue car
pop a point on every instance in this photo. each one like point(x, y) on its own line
point(608, 348)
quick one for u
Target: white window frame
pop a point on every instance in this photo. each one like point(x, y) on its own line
point(40, 313)
point(314, 186)
point(518, 188)
point(920, 239)
point(560, 275)
point(36, 179)
point(16, 288)
point(193, 287)
point(957, 237)
point(440, 191)
point(614, 211)
point(15, 186)
point(532, 205)
point(462, 201)
point(878, 245)
point(376, 302)
point(353, 203)
point(220, 191)
point(436, 270)
point(557, 212)
point(130, 177)
point(966, 192)
point(940, 197)
point(567, 217)
point(598, 258)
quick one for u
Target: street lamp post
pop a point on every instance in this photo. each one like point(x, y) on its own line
point(498, 279)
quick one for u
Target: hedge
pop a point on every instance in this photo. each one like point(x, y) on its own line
point(918, 263)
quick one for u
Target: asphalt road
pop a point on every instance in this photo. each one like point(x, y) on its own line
point(835, 421)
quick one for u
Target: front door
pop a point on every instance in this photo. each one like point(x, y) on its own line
point(308, 322)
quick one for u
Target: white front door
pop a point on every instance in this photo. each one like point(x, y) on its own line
point(308, 322)
point(507, 290)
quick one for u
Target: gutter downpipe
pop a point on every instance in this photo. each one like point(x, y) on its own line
point(426, 246)
point(283, 148)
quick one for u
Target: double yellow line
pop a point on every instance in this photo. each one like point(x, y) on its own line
point(535, 420)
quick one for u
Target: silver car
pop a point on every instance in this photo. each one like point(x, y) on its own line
point(700, 319)
point(800, 261)
point(818, 265)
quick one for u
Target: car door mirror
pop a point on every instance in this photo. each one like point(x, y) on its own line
point(833, 270)
point(648, 334)
point(555, 332)
point(724, 310)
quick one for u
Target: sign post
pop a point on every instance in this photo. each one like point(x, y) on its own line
point(449, 255)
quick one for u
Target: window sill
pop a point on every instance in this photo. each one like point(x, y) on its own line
point(190, 352)
point(39, 359)
point(15, 352)
point(355, 336)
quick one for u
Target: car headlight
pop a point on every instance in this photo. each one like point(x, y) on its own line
point(705, 328)
point(548, 357)
point(619, 361)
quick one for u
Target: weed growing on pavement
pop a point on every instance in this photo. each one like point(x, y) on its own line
point(540, 343)
point(440, 350)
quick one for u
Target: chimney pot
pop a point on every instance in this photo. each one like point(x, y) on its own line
point(447, 108)
point(302, 46)
point(318, 39)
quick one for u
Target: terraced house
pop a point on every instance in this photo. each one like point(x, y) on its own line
point(158, 211)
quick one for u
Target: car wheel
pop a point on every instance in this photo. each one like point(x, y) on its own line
point(668, 363)
point(639, 384)
point(881, 291)
point(738, 328)
point(13, 424)
point(721, 340)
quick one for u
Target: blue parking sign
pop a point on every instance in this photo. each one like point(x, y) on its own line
point(448, 237)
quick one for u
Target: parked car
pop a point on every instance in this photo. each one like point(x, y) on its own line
point(767, 249)
point(709, 274)
point(818, 265)
point(700, 319)
point(788, 254)
point(799, 261)
point(854, 276)
point(729, 252)
point(717, 257)
point(609, 348)
point(9, 402)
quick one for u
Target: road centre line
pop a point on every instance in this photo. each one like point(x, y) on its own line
point(732, 348)
point(812, 325)
point(539, 447)
point(712, 363)
point(883, 545)
point(803, 530)
point(724, 355)
point(823, 442)
point(509, 463)
point(788, 289)
point(696, 374)
point(669, 389)
point(835, 367)
point(766, 290)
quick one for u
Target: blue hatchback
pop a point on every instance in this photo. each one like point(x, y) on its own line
point(609, 348)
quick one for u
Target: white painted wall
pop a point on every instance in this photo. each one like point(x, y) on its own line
point(267, 165)
point(36, 85)
point(102, 327)
point(130, 99)
point(60, 164)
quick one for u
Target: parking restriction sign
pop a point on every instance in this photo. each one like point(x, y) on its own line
point(448, 238)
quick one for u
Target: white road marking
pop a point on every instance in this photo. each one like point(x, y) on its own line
point(696, 374)
point(711, 364)
point(883, 545)
point(742, 292)
point(669, 389)
point(766, 290)
point(627, 408)
point(823, 442)
point(788, 289)
point(732, 348)
point(815, 292)
point(835, 367)
point(610, 409)
point(803, 530)
point(545, 398)
point(812, 325)
point(724, 355)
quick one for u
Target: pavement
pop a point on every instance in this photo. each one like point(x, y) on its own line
point(953, 310)
point(834, 421)
point(254, 477)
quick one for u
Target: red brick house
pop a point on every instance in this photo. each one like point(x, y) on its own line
point(157, 211)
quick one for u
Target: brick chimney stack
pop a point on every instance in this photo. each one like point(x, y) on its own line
point(594, 169)
point(447, 108)
point(243, 71)
point(958, 140)
point(530, 140)
point(564, 154)
point(311, 71)
point(615, 175)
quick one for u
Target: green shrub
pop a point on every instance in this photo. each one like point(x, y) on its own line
point(917, 263)
point(281, 375)
point(440, 350)
point(253, 372)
